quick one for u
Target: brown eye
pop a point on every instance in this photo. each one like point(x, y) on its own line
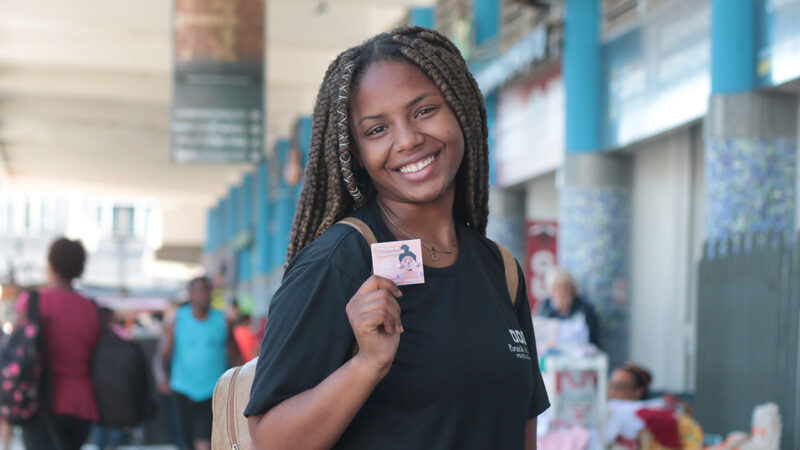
point(376, 130)
point(426, 111)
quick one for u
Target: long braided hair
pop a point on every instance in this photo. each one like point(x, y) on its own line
point(334, 185)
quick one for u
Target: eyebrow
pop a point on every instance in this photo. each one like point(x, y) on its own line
point(408, 105)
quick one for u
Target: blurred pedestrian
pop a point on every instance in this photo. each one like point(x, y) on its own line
point(71, 328)
point(102, 436)
point(629, 382)
point(635, 418)
point(196, 344)
point(349, 359)
point(5, 435)
point(246, 338)
point(578, 321)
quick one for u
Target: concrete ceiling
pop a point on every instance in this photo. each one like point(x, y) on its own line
point(85, 89)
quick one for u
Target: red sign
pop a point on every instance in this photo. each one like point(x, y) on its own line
point(541, 241)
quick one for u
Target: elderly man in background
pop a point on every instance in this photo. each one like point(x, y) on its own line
point(578, 320)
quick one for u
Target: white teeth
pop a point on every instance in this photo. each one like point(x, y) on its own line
point(416, 167)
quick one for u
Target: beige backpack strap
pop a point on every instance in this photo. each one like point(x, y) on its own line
point(365, 231)
point(512, 276)
point(362, 228)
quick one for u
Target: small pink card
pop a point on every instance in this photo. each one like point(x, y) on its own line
point(399, 261)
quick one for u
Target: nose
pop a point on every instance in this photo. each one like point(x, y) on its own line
point(407, 137)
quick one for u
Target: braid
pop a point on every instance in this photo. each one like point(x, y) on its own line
point(334, 184)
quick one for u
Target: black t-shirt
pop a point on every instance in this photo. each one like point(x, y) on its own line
point(466, 373)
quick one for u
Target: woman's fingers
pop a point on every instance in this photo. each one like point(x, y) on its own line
point(380, 300)
point(376, 300)
point(375, 282)
point(377, 293)
point(382, 317)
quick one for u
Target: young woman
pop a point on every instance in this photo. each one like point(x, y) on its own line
point(399, 141)
point(71, 329)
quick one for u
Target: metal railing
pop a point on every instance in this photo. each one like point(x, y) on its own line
point(747, 333)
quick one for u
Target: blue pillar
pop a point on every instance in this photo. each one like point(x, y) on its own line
point(285, 204)
point(210, 223)
point(487, 20)
point(244, 297)
point(491, 118)
point(733, 56)
point(304, 137)
point(751, 137)
point(218, 229)
point(422, 17)
point(581, 60)
point(594, 201)
point(262, 232)
point(225, 221)
point(233, 212)
point(245, 206)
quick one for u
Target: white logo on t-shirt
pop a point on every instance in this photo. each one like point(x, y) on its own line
point(521, 349)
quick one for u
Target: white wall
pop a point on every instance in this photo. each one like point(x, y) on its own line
point(667, 196)
point(184, 224)
point(541, 199)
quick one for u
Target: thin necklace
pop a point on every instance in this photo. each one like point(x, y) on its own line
point(432, 249)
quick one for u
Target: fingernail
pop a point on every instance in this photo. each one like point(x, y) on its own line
point(402, 329)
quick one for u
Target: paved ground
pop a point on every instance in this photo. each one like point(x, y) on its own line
point(16, 444)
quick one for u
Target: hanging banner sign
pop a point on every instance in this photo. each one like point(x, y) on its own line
point(541, 248)
point(218, 81)
point(529, 130)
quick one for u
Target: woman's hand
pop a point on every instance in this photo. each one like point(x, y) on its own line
point(374, 315)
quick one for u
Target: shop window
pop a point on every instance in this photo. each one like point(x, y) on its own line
point(453, 19)
point(123, 221)
point(518, 18)
point(621, 13)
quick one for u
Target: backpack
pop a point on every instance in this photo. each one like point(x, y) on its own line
point(121, 381)
point(22, 376)
point(232, 392)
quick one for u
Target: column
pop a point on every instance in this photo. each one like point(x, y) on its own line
point(245, 241)
point(285, 205)
point(594, 198)
point(422, 17)
point(750, 136)
point(262, 241)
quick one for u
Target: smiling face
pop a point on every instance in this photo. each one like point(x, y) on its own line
point(407, 137)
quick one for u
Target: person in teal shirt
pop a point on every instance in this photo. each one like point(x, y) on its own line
point(198, 346)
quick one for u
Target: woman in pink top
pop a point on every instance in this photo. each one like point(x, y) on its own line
point(71, 328)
